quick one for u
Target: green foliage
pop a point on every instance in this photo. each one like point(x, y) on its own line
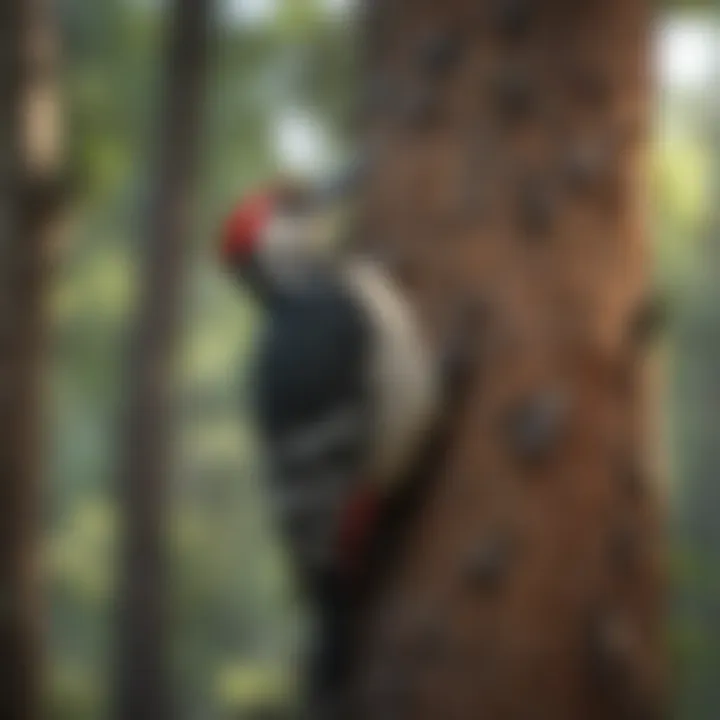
point(681, 173)
point(235, 617)
point(236, 623)
point(243, 690)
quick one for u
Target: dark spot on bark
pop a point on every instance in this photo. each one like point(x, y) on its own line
point(623, 549)
point(536, 426)
point(429, 640)
point(536, 207)
point(515, 98)
point(627, 687)
point(612, 642)
point(591, 86)
point(465, 338)
point(474, 204)
point(439, 53)
point(474, 191)
point(631, 478)
point(586, 164)
point(421, 111)
point(647, 321)
point(512, 19)
point(489, 564)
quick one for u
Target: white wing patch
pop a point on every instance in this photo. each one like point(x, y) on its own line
point(403, 374)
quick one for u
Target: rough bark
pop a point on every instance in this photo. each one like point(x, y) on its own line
point(142, 683)
point(29, 184)
point(507, 156)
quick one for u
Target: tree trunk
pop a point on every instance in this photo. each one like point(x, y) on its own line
point(507, 153)
point(142, 689)
point(29, 184)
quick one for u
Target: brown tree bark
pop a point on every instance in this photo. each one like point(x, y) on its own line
point(142, 682)
point(507, 145)
point(29, 193)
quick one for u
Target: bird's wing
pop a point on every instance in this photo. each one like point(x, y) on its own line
point(314, 417)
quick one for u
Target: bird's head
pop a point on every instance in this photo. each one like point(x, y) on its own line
point(272, 241)
point(245, 229)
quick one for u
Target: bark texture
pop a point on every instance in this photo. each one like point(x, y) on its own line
point(142, 684)
point(29, 193)
point(506, 143)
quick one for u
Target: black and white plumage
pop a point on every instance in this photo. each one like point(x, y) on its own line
point(346, 392)
point(314, 414)
point(346, 385)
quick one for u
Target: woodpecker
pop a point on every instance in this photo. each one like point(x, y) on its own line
point(347, 389)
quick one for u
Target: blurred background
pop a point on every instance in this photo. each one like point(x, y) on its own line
point(280, 92)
